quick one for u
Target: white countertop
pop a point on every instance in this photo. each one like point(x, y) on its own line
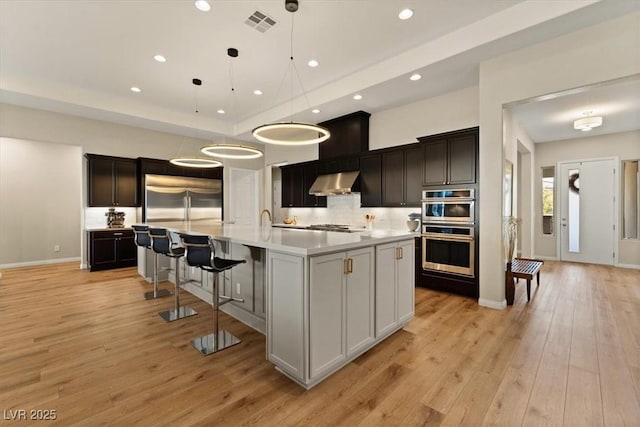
point(290, 240)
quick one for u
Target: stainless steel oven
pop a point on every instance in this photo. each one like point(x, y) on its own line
point(446, 206)
point(448, 248)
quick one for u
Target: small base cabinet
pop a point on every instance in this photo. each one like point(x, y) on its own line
point(395, 282)
point(323, 311)
point(112, 249)
point(341, 309)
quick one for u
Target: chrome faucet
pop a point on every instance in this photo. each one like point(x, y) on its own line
point(268, 212)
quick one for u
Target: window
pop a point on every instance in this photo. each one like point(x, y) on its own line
point(548, 179)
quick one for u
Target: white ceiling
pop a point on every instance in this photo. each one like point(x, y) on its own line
point(551, 119)
point(81, 57)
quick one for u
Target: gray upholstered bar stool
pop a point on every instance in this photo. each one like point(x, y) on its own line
point(200, 252)
point(143, 239)
point(163, 244)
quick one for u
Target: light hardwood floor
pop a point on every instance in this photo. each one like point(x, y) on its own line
point(88, 346)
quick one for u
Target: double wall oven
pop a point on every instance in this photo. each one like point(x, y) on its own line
point(448, 231)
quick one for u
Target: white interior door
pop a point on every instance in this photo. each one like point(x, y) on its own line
point(243, 197)
point(587, 211)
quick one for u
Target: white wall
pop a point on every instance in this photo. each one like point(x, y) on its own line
point(40, 199)
point(97, 137)
point(624, 145)
point(402, 125)
point(595, 54)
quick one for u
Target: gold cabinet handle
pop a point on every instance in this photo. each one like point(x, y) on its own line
point(350, 262)
point(401, 253)
point(346, 266)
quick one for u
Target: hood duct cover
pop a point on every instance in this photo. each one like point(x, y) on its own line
point(332, 184)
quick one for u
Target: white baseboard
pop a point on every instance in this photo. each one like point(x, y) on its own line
point(632, 266)
point(496, 305)
point(40, 262)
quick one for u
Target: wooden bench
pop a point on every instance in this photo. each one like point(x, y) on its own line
point(521, 268)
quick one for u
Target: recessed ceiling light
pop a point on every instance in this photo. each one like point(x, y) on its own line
point(357, 97)
point(313, 63)
point(257, 92)
point(315, 111)
point(136, 89)
point(160, 58)
point(220, 111)
point(415, 77)
point(203, 5)
point(405, 14)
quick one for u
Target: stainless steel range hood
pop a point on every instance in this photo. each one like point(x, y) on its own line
point(333, 184)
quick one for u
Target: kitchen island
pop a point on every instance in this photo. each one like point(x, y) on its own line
point(329, 296)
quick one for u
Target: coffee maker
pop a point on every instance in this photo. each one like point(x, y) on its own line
point(115, 219)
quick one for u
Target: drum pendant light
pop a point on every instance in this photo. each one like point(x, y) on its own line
point(193, 161)
point(291, 133)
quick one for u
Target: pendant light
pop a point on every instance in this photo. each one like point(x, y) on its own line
point(193, 161)
point(231, 151)
point(291, 133)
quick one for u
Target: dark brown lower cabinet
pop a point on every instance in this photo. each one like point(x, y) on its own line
point(109, 249)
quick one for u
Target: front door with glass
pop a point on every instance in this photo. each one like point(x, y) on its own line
point(588, 211)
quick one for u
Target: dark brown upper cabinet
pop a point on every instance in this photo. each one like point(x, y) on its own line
point(402, 176)
point(112, 181)
point(297, 180)
point(309, 175)
point(450, 158)
point(349, 136)
point(371, 181)
point(292, 190)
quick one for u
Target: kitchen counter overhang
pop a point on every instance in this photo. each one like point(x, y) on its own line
point(289, 240)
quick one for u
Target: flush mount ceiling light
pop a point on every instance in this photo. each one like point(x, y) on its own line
point(415, 77)
point(315, 111)
point(203, 5)
point(257, 92)
point(192, 161)
point(313, 63)
point(357, 97)
point(231, 151)
point(405, 14)
point(160, 58)
point(587, 123)
point(136, 89)
point(291, 133)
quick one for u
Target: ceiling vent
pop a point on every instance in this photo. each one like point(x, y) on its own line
point(260, 21)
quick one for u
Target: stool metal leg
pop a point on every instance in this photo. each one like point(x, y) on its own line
point(179, 312)
point(156, 293)
point(219, 339)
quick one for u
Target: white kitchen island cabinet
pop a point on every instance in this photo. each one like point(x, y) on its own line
point(395, 282)
point(328, 294)
point(341, 304)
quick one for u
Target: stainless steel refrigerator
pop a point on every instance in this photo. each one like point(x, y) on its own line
point(176, 198)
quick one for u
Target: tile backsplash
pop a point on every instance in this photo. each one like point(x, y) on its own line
point(96, 218)
point(345, 209)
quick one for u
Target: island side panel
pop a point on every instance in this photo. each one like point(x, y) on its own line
point(285, 313)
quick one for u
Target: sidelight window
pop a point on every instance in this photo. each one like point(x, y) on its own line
point(548, 179)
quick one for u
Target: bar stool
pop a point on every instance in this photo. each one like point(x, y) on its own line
point(162, 244)
point(143, 239)
point(200, 252)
